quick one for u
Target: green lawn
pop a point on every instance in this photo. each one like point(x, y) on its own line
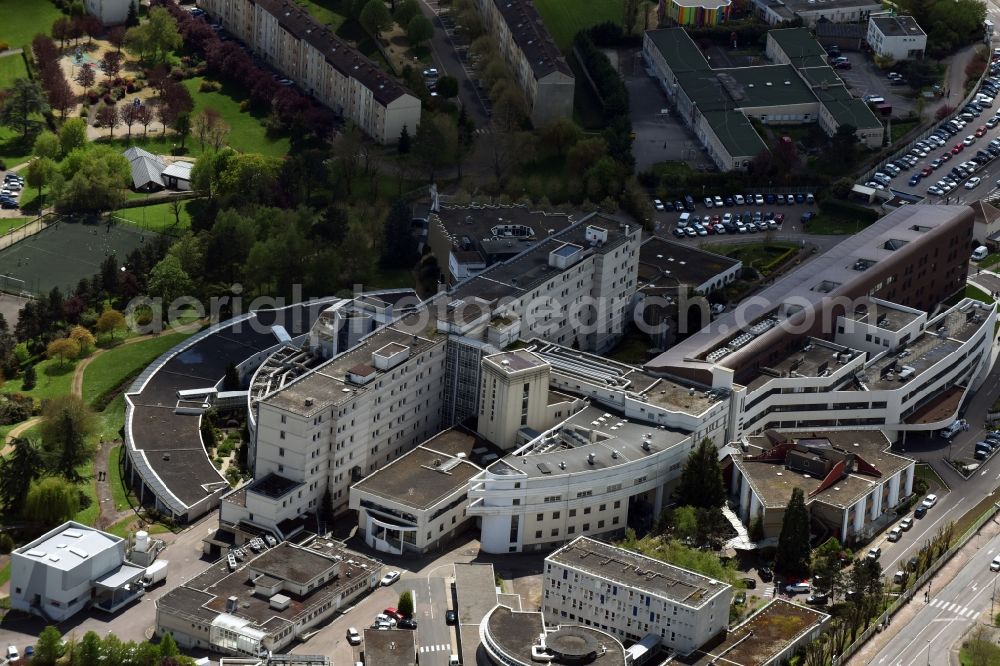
point(115, 366)
point(11, 67)
point(324, 11)
point(118, 492)
point(835, 224)
point(565, 18)
point(158, 217)
point(112, 418)
point(51, 379)
point(13, 148)
point(8, 223)
point(23, 20)
point(248, 133)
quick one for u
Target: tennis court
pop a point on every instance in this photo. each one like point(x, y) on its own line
point(63, 253)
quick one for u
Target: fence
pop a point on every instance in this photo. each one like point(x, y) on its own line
point(907, 594)
point(919, 133)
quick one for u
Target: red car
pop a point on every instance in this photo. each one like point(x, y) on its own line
point(946, 157)
point(981, 131)
point(779, 218)
point(957, 149)
point(926, 171)
point(393, 613)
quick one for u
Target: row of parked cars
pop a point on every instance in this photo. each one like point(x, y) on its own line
point(986, 447)
point(688, 203)
point(729, 223)
point(941, 138)
point(10, 192)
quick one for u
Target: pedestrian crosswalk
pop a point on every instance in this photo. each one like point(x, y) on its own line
point(769, 591)
point(957, 609)
point(435, 648)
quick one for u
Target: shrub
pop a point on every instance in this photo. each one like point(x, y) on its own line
point(208, 85)
point(3, 47)
point(6, 542)
point(244, 106)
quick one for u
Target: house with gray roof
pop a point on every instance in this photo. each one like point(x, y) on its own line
point(147, 169)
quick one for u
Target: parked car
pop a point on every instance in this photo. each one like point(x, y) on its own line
point(393, 613)
point(818, 599)
point(766, 574)
point(750, 583)
point(895, 534)
point(658, 205)
point(407, 623)
point(796, 588)
point(390, 578)
point(995, 564)
point(12, 653)
point(930, 501)
point(920, 511)
point(451, 617)
point(808, 215)
point(905, 524)
point(874, 553)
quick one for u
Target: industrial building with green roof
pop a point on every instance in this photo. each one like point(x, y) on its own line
point(719, 104)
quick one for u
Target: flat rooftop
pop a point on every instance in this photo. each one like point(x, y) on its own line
point(882, 314)
point(638, 572)
point(678, 49)
point(830, 5)
point(764, 635)
point(424, 476)
point(797, 42)
point(664, 263)
point(813, 360)
point(514, 361)
point(612, 439)
point(395, 647)
point(898, 26)
point(515, 632)
point(205, 596)
point(475, 226)
point(803, 286)
point(273, 486)
point(68, 546)
point(524, 272)
point(326, 385)
point(774, 482)
point(572, 366)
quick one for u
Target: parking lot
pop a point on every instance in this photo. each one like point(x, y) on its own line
point(787, 217)
point(660, 136)
point(864, 78)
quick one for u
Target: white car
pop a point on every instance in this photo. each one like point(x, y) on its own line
point(12, 653)
point(353, 637)
point(973, 183)
point(658, 205)
point(969, 140)
point(383, 619)
point(758, 199)
point(393, 576)
point(708, 202)
point(930, 501)
point(995, 564)
point(895, 534)
point(717, 200)
point(794, 588)
point(738, 199)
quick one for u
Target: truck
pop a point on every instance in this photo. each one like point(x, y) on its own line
point(155, 573)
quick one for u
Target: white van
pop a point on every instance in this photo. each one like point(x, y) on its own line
point(980, 253)
point(682, 221)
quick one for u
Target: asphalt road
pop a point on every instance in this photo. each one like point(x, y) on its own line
point(967, 597)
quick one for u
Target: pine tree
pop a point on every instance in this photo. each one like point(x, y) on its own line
point(132, 19)
point(405, 604)
point(403, 147)
point(30, 377)
point(701, 483)
point(793, 552)
point(17, 471)
point(168, 647)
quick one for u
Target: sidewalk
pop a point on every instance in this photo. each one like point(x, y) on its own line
point(906, 614)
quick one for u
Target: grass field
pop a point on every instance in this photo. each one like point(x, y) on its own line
point(112, 418)
point(23, 20)
point(564, 19)
point(11, 67)
point(13, 149)
point(248, 133)
point(158, 217)
point(112, 367)
point(118, 491)
point(51, 380)
point(324, 11)
point(8, 223)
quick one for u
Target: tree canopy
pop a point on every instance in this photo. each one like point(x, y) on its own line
point(793, 554)
point(52, 501)
point(67, 424)
point(701, 483)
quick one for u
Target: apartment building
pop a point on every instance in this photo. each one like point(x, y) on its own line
point(631, 596)
point(514, 387)
point(288, 38)
point(851, 478)
point(539, 67)
point(110, 12)
point(896, 37)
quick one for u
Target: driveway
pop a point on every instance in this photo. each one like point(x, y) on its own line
point(864, 78)
point(659, 136)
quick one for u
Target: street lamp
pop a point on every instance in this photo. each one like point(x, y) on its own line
point(928, 653)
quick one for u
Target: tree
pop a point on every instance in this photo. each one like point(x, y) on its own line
point(40, 172)
point(168, 281)
point(630, 15)
point(132, 19)
point(61, 29)
point(52, 501)
point(405, 604)
point(406, 11)
point(168, 647)
point(89, 651)
point(72, 135)
point(96, 177)
point(403, 145)
point(792, 556)
point(110, 321)
point(17, 471)
point(29, 379)
point(157, 36)
point(107, 116)
point(375, 18)
point(399, 247)
point(83, 337)
point(182, 125)
point(46, 145)
point(685, 523)
point(560, 135)
point(144, 116)
point(111, 64)
point(447, 87)
point(48, 647)
point(67, 424)
point(63, 348)
point(24, 101)
point(86, 77)
point(701, 484)
point(59, 94)
point(418, 30)
point(128, 112)
point(435, 143)
point(209, 127)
